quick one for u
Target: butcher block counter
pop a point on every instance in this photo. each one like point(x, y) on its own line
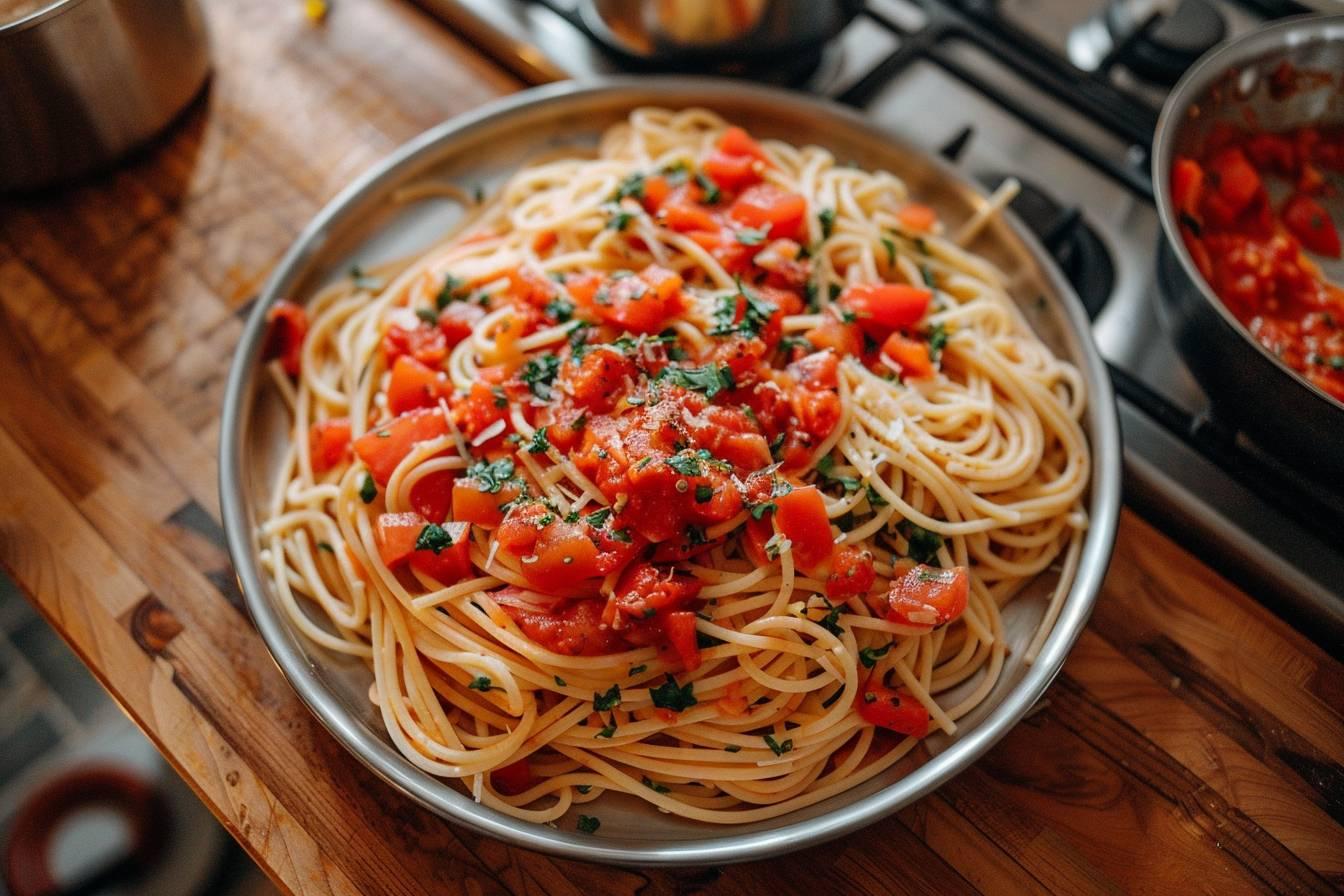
point(1193, 742)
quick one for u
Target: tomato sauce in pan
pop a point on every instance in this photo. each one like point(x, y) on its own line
point(1256, 253)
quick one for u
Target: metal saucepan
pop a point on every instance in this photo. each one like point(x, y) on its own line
point(710, 32)
point(1248, 385)
point(82, 82)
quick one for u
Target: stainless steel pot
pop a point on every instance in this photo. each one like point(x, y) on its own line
point(1248, 384)
point(84, 81)
point(691, 32)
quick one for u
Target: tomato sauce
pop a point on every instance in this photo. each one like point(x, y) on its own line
point(1257, 253)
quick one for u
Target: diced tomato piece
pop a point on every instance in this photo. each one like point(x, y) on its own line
point(883, 307)
point(432, 495)
point(911, 355)
point(645, 590)
point(399, 539)
point(413, 385)
point(643, 304)
point(917, 218)
point(480, 408)
point(818, 412)
point(564, 554)
point(656, 191)
point(583, 288)
point(1271, 151)
point(328, 443)
point(732, 703)
point(514, 778)
point(889, 708)
point(522, 526)
point(851, 573)
point(754, 538)
point(543, 241)
point(575, 629)
point(732, 172)
point(819, 370)
point(786, 267)
point(737, 142)
point(287, 325)
point(928, 595)
point(779, 212)
point(1187, 185)
point(451, 563)
point(528, 286)
point(396, 535)
point(472, 503)
point(600, 379)
point(1311, 223)
point(458, 320)
point(683, 214)
point(680, 629)
point(845, 339)
point(426, 344)
point(1238, 182)
point(801, 516)
point(728, 434)
point(387, 445)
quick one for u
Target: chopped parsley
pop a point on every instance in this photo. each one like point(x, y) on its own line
point(732, 748)
point(620, 220)
point(427, 315)
point(891, 251)
point(830, 701)
point(632, 186)
point(539, 444)
point(826, 218)
point(491, 476)
point(606, 732)
point(831, 621)
point(584, 788)
point(598, 518)
point(777, 545)
point(756, 313)
point(559, 682)
point(610, 700)
point(482, 683)
point(703, 493)
point(367, 490)
point(655, 786)
point(325, 546)
point(588, 824)
point(1336, 361)
point(923, 544)
point(824, 467)
point(560, 309)
point(539, 373)
point(501, 398)
point(752, 236)
point(712, 192)
point(670, 695)
point(636, 670)
point(364, 281)
point(451, 289)
point(710, 379)
point(779, 749)
point(578, 337)
point(937, 340)
point(870, 655)
point(926, 273)
point(875, 499)
point(434, 538)
point(688, 463)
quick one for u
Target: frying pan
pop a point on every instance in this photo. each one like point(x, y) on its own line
point(1248, 385)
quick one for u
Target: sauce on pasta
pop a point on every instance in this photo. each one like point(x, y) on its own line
point(696, 470)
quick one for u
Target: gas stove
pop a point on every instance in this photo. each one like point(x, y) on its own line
point(1063, 95)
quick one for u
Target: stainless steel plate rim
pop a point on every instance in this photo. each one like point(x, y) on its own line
point(439, 796)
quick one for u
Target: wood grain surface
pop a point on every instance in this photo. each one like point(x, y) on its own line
point(1193, 742)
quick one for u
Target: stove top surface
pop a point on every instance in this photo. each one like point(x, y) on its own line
point(1064, 96)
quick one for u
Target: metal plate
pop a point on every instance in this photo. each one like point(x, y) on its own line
point(363, 226)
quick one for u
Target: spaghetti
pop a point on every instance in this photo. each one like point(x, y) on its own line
point(697, 470)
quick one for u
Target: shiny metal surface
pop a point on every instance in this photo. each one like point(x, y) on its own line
point(690, 31)
point(82, 82)
point(363, 226)
point(1248, 384)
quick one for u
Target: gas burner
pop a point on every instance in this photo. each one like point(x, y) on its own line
point(1154, 45)
point(1065, 234)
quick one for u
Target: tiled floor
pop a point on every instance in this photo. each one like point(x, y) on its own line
point(54, 715)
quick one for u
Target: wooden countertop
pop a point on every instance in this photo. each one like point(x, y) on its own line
point(1193, 740)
